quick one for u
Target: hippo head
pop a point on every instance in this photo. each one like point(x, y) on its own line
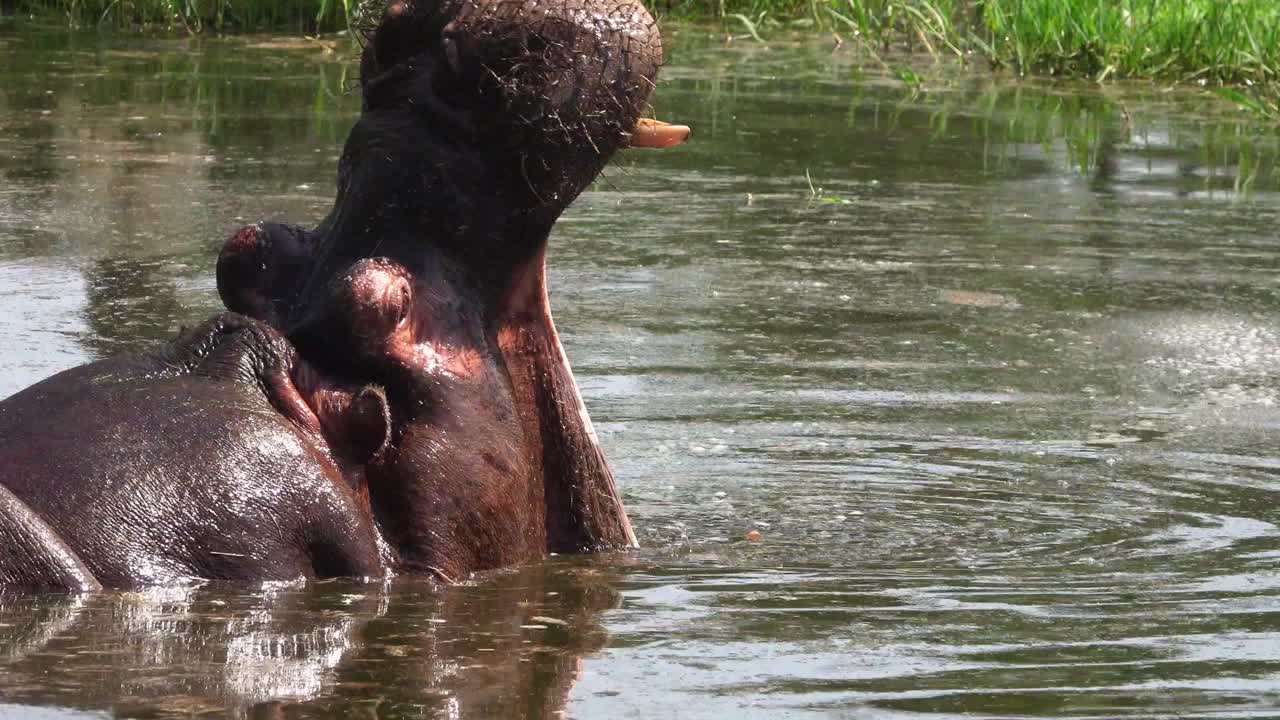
point(482, 120)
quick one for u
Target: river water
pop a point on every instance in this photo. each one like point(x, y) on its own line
point(992, 368)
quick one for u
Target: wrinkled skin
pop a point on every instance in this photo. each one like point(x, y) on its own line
point(392, 395)
point(481, 123)
point(170, 466)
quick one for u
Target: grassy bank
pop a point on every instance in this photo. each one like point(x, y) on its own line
point(1235, 41)
point(1213, 42)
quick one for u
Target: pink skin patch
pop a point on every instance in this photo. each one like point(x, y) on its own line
point(246, 240)
point(403, 319)
point(529, 306)
point(528, 317)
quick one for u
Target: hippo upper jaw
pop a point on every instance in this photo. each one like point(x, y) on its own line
point(482, 121)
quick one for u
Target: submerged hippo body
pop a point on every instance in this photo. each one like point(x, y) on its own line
point(168, 467)
point(415, 411)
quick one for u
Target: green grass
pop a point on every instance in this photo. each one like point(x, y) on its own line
point(1212, 42)
point(195, 16)
point(1234, 41)
point(1216, 40)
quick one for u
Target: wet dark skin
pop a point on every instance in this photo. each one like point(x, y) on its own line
point(391, 396)
point(173, 466)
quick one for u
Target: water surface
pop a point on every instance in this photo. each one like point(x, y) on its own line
point(992, 368)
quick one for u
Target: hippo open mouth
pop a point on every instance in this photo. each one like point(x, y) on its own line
point(481, 122)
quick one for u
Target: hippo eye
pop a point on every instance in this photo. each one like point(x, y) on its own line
point(403, 314)
point(376, 297)
point(394, 303)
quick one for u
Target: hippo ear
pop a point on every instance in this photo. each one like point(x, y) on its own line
point(375, 433)
point(366, 431)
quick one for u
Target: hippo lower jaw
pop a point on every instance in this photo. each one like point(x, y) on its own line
point(584, 508)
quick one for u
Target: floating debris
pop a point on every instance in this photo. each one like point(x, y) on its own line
point(977, 298)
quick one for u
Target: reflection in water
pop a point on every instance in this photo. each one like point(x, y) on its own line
point(130, 305)
point(508, 646)
point(114, 159)
point(997, 394)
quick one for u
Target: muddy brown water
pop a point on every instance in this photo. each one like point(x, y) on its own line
point(992, 369)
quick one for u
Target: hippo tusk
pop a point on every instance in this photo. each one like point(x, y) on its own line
point(650, 133)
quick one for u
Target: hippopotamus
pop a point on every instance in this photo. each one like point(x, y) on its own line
point(387, 393)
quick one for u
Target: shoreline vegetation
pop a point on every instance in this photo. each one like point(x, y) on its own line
point(1229, 46)
point(308, 17)
point(1232, 46)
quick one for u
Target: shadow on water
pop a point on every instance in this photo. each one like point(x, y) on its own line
point(989, 367)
